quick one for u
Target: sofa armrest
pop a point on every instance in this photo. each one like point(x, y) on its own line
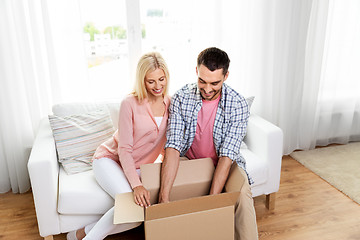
point(44, 174)
point(265, 140)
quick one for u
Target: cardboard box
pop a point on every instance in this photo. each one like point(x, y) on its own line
point(191, 214)
point(208, 217)
point(193, 179)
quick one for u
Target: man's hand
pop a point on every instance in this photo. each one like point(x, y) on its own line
point(221, 175)
point(162, 200)
point(141, 196)
point(169, 170)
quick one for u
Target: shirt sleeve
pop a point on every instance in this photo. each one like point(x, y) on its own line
point(236, 129)
point(176, 125)
point(125, 146)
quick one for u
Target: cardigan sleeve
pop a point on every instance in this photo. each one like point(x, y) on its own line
point(125, 145)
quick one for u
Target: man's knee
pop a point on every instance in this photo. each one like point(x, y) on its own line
point(237, 179)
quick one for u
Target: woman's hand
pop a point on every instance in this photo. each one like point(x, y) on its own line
point(141, 196)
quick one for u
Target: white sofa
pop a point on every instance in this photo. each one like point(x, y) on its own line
point(67, 202)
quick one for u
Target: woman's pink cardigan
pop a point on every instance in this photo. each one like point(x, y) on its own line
point(138, 139)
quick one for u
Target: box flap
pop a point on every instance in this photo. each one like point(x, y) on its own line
point(190, 168)
point(126, 209)
point(196, 173)
point(213, 224)
point(191, 205)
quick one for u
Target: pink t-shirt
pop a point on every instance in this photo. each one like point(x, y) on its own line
point(203, 144)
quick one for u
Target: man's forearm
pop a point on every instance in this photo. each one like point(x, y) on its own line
point(221, 174)
point(169, 170)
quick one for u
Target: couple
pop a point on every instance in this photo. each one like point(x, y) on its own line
point(207, 119)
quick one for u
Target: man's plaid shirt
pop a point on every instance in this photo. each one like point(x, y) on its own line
point(229, 128)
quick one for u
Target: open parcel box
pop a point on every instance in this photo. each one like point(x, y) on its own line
point(193, 179)
point(187, 216)
point(207, 217)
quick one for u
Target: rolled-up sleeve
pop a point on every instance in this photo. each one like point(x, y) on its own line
point(176, 125)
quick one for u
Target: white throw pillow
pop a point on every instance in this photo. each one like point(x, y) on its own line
point(78, 136)
point(249, 101)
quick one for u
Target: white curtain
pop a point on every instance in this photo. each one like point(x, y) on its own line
point(24, 91)
point(299, 58)
point(36, 70)
point(338, 109)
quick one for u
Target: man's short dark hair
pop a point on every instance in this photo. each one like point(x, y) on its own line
point(214, 58)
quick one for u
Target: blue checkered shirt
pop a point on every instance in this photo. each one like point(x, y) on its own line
point(229, 128)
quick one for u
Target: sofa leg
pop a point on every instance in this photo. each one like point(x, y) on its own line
point(49, 237)
point(270, 201)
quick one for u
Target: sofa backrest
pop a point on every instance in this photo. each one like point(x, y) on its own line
point(67, 109)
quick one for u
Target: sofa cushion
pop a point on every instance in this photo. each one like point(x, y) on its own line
point(78, 136)
point(256, 167)
point(66, 109)
point(81, 194)
point(249, 101)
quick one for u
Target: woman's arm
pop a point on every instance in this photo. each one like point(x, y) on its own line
point(125, 149)
point(126, 143)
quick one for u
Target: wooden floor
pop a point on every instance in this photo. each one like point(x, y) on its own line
point(307, 207)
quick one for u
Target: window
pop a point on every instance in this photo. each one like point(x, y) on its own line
point(179, 31)
point(104, 26)
point(172, 28)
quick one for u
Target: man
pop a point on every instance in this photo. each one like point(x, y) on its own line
point(209, 119)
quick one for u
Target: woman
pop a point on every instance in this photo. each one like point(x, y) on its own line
point(140, 139)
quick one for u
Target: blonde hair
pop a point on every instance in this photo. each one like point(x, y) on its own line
point(149, 62)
